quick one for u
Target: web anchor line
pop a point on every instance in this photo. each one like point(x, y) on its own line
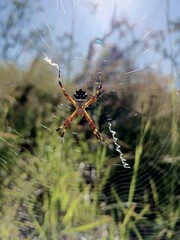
point(123, 160)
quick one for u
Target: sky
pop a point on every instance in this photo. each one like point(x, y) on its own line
point(90, 19)
point(142, 12)
point(90, 23)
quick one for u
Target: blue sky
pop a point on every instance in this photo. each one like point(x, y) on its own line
point(146, 13)
point(90, 22)
point(90, 19)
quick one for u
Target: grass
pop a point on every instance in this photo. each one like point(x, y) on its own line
point(45, 196)
point(45, 192)
point(53, 190)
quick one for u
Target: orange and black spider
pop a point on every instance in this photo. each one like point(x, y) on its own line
point(80, 103)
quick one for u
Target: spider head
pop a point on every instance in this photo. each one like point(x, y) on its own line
point(80, 95)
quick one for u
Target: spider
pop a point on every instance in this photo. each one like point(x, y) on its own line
point(80, 103)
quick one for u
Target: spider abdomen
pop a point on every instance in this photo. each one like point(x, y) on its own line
point(80, 111)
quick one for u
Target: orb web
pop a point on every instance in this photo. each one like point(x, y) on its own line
point(134, 60)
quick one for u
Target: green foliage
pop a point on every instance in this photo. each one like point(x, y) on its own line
point(54, 190)
point(46, 194)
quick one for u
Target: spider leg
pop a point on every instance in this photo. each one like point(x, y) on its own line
point(67, 123)
point(93, 127)
point(67, 95)
point(94, 98)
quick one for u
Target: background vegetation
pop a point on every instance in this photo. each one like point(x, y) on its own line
point(79, 189)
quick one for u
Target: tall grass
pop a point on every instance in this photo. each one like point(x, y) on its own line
point(55, 190)
point(45, 196)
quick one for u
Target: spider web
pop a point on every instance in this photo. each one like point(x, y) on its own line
point(71, 14)
point(123, 160)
